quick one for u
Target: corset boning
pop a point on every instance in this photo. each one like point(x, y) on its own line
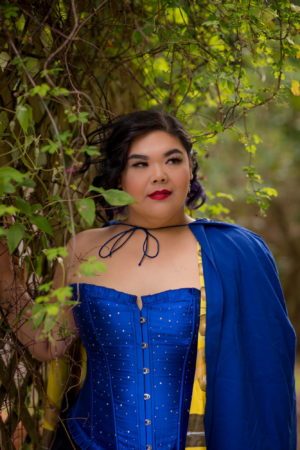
point(140, 368)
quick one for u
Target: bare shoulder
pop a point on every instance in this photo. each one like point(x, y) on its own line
point(86, 240)
point(85, 245)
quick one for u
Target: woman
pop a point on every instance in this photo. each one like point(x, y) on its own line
point(139, 320)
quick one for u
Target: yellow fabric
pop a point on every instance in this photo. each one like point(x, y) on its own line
point(58, 372)
point(195, 435)
point(57, 377)
point(83, 365)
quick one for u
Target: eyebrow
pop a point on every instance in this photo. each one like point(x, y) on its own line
point(145, 158)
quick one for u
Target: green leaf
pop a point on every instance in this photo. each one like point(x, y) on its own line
point(53, 253)
point(250, 148)
point(36, 207)
point(51, 148)
point(252, 174)
point(12, 173)
point(39, 264)
point(64, 137)
point(69, 151)
point(62, 293)
point(38, 314)
point(224, 195)
point(4, 209)
point(161, 65)
point(87, 210)
point(23, 206)
point(45, 287)
point(59, 91)
point(24, 116)
point(28, 141)
point(216, 210)
point(41, 90)
point(9, 11)
point(32, 65)
point(15, 234)
point(114, 197)
point(42, 223)
point(53, 309)
point(81, 117)
point(149, 29)
point(90, 150)
point(51, 72)
point(137, 37)
point(176, 15)
point(20, 23)
point(7, 175)
point(91, 267)
point(42, 299)
point(4, 58)
point(46, 38)
point(6, 186)
point(3, 232)
point(28, 183)
point(267, 192)
point(49, 323)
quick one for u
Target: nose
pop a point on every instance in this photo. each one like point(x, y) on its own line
point(159, 175)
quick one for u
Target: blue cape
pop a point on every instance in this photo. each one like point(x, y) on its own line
point(249, 343)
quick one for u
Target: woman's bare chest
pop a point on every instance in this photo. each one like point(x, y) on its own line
point(170, 262)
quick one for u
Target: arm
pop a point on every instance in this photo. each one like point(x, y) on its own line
point(15, 303)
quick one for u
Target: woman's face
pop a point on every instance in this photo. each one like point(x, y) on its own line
point(157, 175)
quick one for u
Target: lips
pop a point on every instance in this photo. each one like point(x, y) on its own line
point(160, 195)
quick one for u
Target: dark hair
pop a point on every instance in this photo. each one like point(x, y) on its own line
point(115, 139)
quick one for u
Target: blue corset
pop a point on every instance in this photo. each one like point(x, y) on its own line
point(140, 369)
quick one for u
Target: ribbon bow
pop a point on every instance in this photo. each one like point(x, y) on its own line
point(122, 237)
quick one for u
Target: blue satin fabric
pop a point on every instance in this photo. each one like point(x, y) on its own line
point(140, 370)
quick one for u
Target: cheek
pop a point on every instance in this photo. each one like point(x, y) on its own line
point(131, 183)
point(124, 179)
point(183, 178)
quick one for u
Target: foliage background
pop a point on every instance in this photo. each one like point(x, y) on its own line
point(229, 70)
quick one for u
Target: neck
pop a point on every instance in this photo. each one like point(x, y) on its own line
point(157, 222)
point(119, 239)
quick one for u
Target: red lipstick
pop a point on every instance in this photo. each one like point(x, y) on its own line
point(160, 195)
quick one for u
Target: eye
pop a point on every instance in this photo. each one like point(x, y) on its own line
point(140, 164)
point(174, 160)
